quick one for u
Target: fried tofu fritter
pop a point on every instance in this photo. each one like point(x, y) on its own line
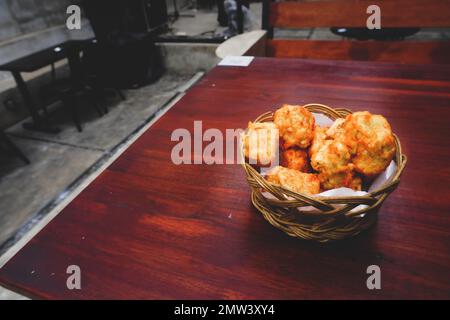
point(294, 180)
point(360, 145)
point(331, 157)
point(336, 128)
point(260, 143)
point(295, 158)
point(318, 140)
point(370, 140)
point(333, 162)
point(296, 125)
point(346, 179)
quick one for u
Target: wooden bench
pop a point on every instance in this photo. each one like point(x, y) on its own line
point(352, 14)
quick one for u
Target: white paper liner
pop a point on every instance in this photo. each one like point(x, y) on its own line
point(383, 178)
point(322, 120)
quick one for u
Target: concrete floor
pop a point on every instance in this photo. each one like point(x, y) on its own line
point(196, 23)
point(104, 132)
point(6, 294)
point(203, 22)
point(25, 189)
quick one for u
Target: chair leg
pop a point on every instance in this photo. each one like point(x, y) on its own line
point(93, 99)
point(43, 105)
point(102, 101)
point(14, 148)
point(68, 100)
point(44, 108)
point(98, 93)
point(121, 95)
point(98, 109)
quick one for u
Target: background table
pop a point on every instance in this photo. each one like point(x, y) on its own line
point(29, 63)
point(146, 228)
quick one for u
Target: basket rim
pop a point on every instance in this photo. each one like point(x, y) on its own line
point(372, 199)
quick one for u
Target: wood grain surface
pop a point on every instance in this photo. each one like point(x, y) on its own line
point(411, 52)
point(146, 228)
point(352, 13)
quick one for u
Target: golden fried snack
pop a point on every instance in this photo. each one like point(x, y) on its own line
point(346, 179)
point(370, 139)
point(294, 180)
point(296, 125)
point(260, 143)
point(318, 139)
point(295, 158)
point(336, 128)
point(331, 157)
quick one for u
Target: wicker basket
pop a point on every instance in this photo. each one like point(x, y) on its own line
point(332, 220)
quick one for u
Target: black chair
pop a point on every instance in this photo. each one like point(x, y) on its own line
point(13, 147)
point(69, 90)
point(63, 90)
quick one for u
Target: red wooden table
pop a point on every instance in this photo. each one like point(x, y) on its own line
point(146, 228)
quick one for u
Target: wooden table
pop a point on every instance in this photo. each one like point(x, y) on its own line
point(146, 228)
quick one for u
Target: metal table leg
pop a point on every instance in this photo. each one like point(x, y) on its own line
point(38, 124)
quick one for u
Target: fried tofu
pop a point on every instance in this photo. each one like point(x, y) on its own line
point(296, 125)
point(260, 143)
point(294, 180)
point(295, 158)
point(370, 140)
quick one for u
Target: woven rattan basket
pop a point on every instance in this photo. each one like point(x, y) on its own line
point(332, 220)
